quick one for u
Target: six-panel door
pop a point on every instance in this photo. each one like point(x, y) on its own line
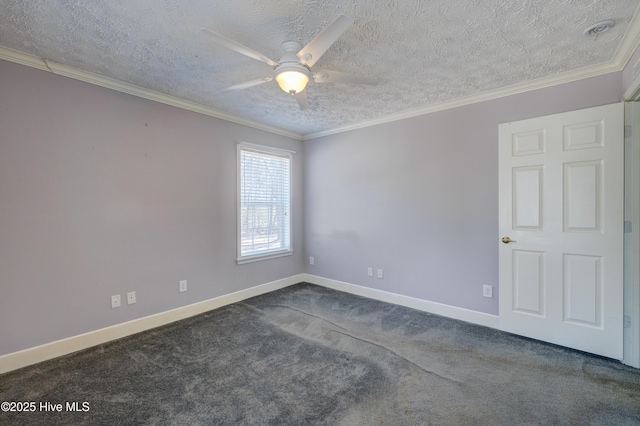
point(561, 202)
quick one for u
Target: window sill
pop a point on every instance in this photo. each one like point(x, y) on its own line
point(266, 256)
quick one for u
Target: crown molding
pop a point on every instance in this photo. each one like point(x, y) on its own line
point(626, 49)
point(473, 99)
point(23, 59)
point(632, 38)
point(628, 45)
point(98, 80)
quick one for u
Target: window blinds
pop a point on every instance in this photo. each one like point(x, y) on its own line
point(265, 202)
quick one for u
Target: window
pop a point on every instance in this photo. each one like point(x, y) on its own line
point(264, 202)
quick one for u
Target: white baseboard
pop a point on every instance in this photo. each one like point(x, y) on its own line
point(454, 312)
point(66, 346)
point(72, 344)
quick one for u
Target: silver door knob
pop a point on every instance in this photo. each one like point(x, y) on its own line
point(507, 240)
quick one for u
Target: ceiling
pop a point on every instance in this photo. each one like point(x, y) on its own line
point(423, 53)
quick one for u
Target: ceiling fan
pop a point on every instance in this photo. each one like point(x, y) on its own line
point(293, 71)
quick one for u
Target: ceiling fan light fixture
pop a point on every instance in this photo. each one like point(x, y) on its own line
point(292, 78)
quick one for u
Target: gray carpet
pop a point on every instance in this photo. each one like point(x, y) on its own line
point(306, 355)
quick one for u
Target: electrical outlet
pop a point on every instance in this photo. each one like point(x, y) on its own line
point(183, 286)
point(312, 261)
point(380, 275)
point(370, 272)
point(487, 291)
point(131, 298)
point(115, 301)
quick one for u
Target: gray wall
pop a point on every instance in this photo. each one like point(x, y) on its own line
point(419, 197)
point(103, 193)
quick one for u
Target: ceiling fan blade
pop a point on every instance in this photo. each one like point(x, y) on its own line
point(301, 97)
point(327, 76)
point(233, 45)
point(323, 41)
point(247, 84)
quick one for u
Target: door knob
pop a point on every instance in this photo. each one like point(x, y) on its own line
point(507, 240)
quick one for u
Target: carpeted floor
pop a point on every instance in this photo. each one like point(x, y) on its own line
point(306, 355)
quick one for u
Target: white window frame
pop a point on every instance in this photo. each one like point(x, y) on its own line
point(271, 254)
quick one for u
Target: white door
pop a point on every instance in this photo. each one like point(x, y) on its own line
point(561, 204)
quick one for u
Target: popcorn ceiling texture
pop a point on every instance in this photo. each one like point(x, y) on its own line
point(422, 52)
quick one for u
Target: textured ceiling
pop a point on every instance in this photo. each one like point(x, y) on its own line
point(422, 52)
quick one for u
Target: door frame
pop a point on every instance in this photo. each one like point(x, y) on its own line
point(631, 349)
point(632, 215)
point(631, 97)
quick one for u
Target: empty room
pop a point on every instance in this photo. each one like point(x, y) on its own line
point(319, 213)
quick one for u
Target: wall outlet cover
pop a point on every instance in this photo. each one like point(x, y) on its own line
point(487, 291)
point(115, 301)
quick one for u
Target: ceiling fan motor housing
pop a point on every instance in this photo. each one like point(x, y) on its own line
point(292, 76)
